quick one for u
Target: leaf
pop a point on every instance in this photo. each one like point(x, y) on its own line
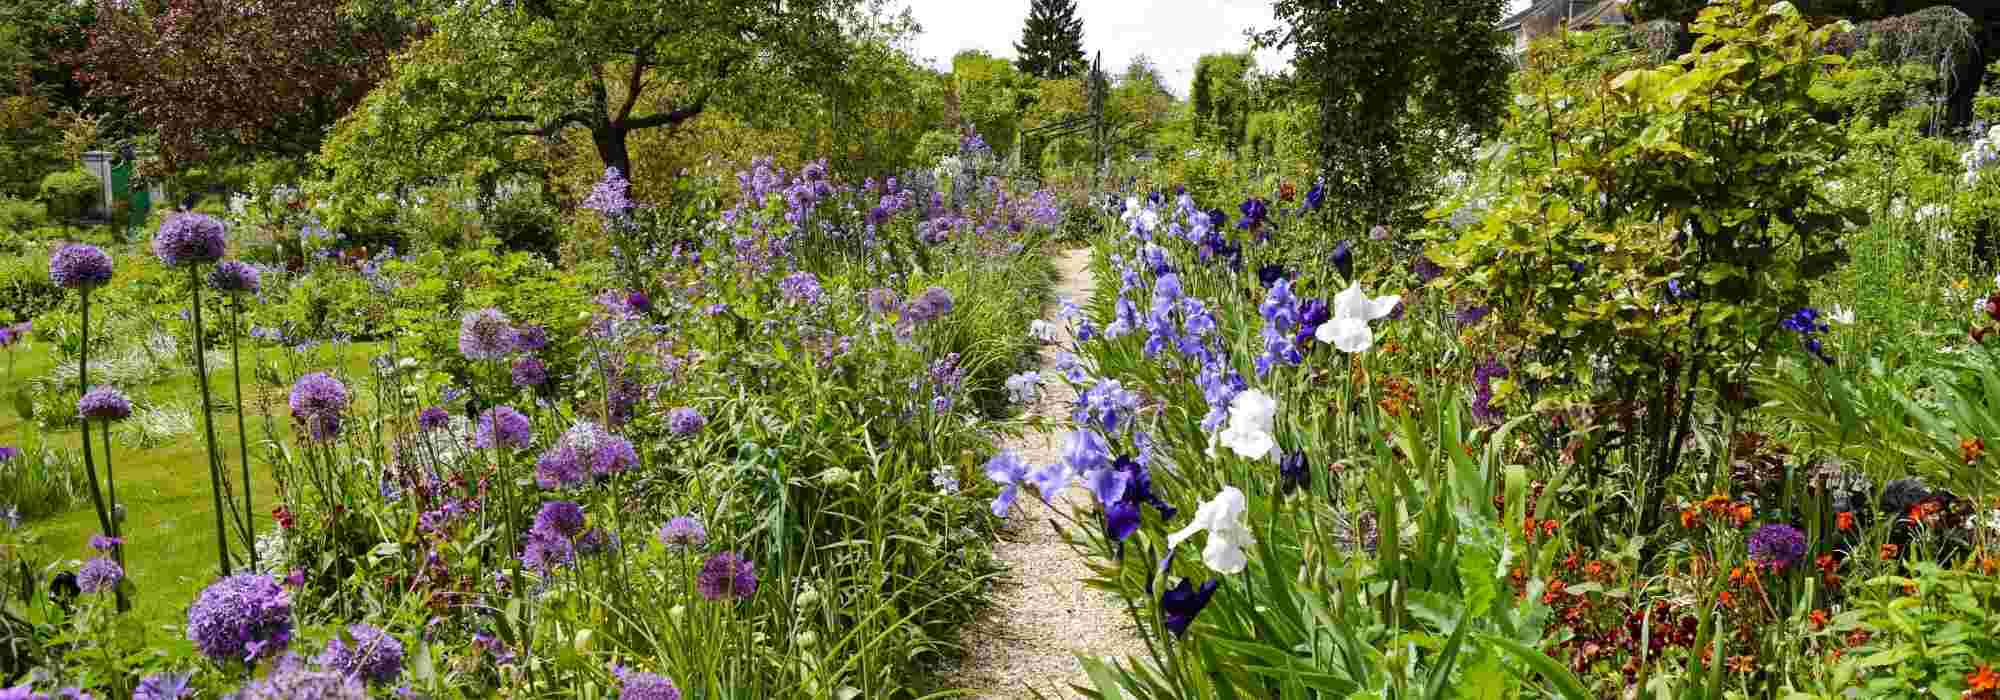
point(1566, 683)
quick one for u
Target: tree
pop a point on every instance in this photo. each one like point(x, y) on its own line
point(1402, 86)
point(1221, 94)
point(1051, 44)
point(1140, 104)
point(496, 75)
point(992, 97)
point(263, 76)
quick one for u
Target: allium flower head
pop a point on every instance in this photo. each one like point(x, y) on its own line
point(240, 618)
point(727, 575)
point(80, 266)
point(1777, 545)
point(366, 652)
point(685, 421)
point(292, 679)
point(102, 543)
point(636, 685)
point(563, 518)
point(503, 426)
point(529, 372)
point(104, 403)
point(683, 533)
point(486, 334)
point(234, 277)
point(8, 453)
point(433, 418)
point(99, 575)
point(318, 402)
point(531, 338)
point(188, 239)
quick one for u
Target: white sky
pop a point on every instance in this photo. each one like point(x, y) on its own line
point(1174, 33)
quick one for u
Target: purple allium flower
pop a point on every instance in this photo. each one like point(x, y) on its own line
point(529, 373)
point(235, 277)
point(241, 618)
point(801, 287)
point(531, 338)
point(318, 402)
point(563, 518)
point(9, 335)
point(685, 421)
point(614, 455)
point(102, 543)
point(683, 533)
point(559, 467)
point(595, 541)
point(104, 403)
point(1007, 470)
point(611, 196)
point(292, 679)
point(933, 303)
point(163, 686)
point(433, 418)
point(544, 550)
point(503, 427)
point(727, 575)
point(365, 651)
point(99, 575)
point(8, 453)
point(1182, 603)
point(486, 334)
point(189, 238)
point(80, 266)
point(637, 685)
point(1777, 545)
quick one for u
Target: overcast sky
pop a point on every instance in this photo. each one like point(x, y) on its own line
point(1174, 33)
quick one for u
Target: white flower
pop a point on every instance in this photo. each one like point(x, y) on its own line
point(1253, 416)
point(1352, 310)
point(1222, 517)
point(1023, 387)
point(1841, 315)
point(1042, 330)
point(1131, 210)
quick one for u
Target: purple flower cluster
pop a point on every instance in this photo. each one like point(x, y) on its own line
point(1777, 546)
point(11, 334)
point(104, 403)
point(611, 196)
point(80, 266)
point(433, 418)
point(934, 303)
point(1108, 404)
point(685, 421)
point(318, 402)
point(163, 686)
point(530, 338)
point(292, 679)
point(683, 533)
point(551, 541)
point(584, 450)
point(366, 652)
point(1482, 397)
point(726, 576)
point(486, 334)
point(529, 373)
point(638, 685)
point(1806, 323)
point(188, 239)
point(502, 426)
point(99, 575)
point(801, 288)
point(1282, 322)
point(244, 617)
point(234, 277)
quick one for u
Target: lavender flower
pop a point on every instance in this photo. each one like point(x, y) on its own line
point(163, 686)
point(503, 427)
point(318, 402)
point(79, 266)
point(683, 533)
point(531, 339)
point(636, 685)
point(241, 618)
point(529, 373)
point(486, 334)
point(99, 575)
point(188, 238)
point(727, 575)
point(932, 304)
point(685, 421)
point(234, 277)
point(611, 195)
point(104, 403)
point(1777, 546)
point(372, 655)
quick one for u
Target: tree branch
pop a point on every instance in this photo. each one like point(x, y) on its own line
point(673, 118)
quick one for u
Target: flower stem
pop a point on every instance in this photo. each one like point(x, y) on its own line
point(104, 523)
point(208, 426)
point(242, 434)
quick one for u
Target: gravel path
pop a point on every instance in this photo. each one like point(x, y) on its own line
point(1042, 616)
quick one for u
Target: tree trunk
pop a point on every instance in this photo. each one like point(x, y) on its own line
point(611, 148)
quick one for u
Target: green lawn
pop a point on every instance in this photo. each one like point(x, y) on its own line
point(170, 551)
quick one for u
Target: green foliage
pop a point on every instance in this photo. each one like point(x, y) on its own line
point(1402, 88)
point(1221, 97)
point(991, 95)
point(19, 217)
point(71, 194)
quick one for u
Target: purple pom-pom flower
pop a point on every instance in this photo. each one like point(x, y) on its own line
point(726, 575)
point(234, 277)
point(503, 427)
point(80, 266)
point(99, 575)
point(104, 403)
point(365, 652)
point(241, 618)
point(189, 239)
point(318, 402)
point(486, 334)
point(1778, 546)
point(683, 533)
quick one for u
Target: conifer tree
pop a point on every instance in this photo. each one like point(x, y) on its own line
point(1051, 43)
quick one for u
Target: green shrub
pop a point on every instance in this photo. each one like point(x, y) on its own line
point(19, 216)
point(25, 289)
point(70, 195)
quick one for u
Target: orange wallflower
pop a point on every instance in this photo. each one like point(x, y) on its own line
point(1742, 513)
point(1844, 521)
point(1743, 664)
point(1690, 518)
point(1890, 551)
point(1818, 618)
point(1971, 449)
point(1983, 678)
